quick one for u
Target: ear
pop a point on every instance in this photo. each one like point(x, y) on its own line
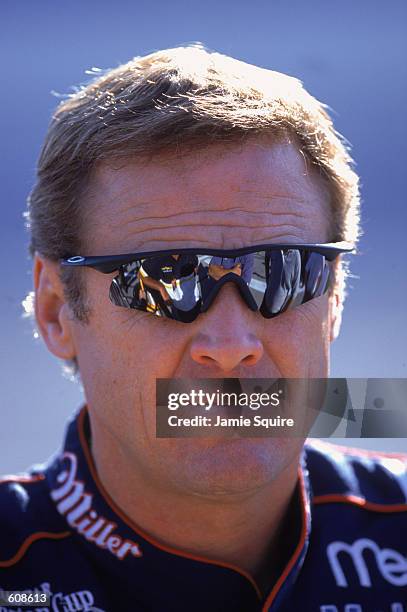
point(336, 303)
point(54, 318)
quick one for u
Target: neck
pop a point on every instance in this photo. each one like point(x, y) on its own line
point(243, 530)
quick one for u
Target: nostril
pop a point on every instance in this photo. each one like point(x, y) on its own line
point(250, 360)
point(206, 360)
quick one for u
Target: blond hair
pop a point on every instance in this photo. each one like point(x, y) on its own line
point(169, 100)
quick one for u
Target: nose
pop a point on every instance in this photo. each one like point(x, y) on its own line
point(227, 338)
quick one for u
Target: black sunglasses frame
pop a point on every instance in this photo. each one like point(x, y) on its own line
point(111, 263)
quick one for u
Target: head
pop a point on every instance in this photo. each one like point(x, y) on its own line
point(186, 148)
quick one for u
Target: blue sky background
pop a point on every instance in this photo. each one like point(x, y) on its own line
point(351, 55)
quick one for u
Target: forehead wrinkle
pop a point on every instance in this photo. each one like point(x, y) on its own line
point(218, 238)
point(199, 194)
point(208, 216)
point(220, 241)
point(183, 226)
point(136, 208)
point(136, 215)
point(230, 225)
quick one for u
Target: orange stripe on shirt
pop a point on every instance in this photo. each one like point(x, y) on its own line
point(359, 501)
point(39, 535)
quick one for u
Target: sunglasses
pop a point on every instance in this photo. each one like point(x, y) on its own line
point(180, 285)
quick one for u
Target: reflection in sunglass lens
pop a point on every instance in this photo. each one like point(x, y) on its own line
point(182, 285)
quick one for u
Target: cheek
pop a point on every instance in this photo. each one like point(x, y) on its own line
point(120, 354)
point(298, 340)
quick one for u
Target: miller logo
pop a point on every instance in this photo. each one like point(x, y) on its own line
point(391, 564)
point(76, 505)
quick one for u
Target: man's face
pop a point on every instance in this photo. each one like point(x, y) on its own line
point(216, 198)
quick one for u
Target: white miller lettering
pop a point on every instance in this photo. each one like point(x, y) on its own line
point(76, 505)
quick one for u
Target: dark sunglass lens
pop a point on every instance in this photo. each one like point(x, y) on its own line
point(316, 275)
point(293, 277)
point(165, 286)
point(257, 283)
point(125, 287)
point(284, 281)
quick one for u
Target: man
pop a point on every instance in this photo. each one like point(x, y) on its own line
point(189, 151)
point(172, 283)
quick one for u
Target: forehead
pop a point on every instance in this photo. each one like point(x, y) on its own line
point(219, 196)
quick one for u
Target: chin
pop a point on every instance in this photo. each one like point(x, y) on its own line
point(232, 466)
